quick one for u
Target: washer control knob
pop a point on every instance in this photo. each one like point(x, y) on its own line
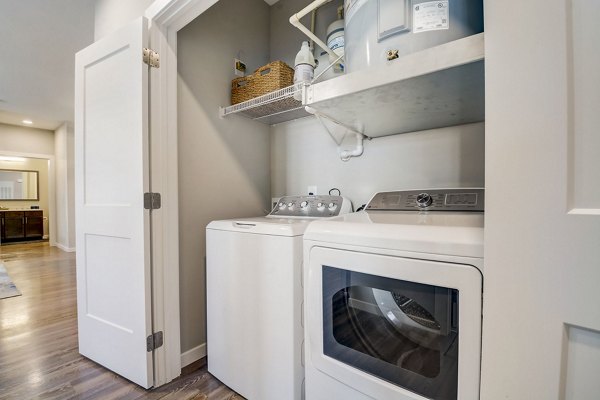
point(304, 204)
point(320, 206)
point(290, 205)
point(332, 206)
point(281, 205)
point(424, 200)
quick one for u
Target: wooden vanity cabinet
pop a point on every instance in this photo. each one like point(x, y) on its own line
point(13, 226)
point(21, 225)
point(34, 224)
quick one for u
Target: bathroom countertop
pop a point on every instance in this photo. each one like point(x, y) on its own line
point(21, 209)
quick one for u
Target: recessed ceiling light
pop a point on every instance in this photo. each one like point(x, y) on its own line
point(27, 121)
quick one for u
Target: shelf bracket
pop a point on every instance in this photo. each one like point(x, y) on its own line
point(331, 64)
point(339, 136)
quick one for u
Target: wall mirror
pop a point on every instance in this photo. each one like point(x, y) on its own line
point(19, 185)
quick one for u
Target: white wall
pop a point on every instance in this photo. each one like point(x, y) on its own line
point(223, 163)
point(20, 139)
point(111, 15)
point(541, 305)
point(303, 154)
point(65, 189)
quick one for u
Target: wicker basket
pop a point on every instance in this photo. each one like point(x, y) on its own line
point(271, 77)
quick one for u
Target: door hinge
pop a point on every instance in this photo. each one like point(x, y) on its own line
point(152, 201)
point(151, 57)
point(154, 341)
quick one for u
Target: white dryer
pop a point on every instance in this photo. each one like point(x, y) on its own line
point(254, 297)
point(393, 298)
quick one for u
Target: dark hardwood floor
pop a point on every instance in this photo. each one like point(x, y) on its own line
point(38, 339)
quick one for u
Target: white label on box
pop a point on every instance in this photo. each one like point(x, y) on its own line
point(431, 16)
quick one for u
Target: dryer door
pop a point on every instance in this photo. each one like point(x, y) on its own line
point(393, 326)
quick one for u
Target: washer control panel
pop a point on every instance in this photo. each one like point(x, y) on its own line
point(311, 206)
point(467, 199)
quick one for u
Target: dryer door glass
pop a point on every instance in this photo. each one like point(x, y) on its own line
point(403, 332)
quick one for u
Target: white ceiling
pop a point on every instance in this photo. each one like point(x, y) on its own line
point(39, 39)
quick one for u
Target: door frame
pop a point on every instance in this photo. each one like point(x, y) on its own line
point(166, 18)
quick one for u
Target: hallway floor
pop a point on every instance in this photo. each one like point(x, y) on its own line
point(38, 339)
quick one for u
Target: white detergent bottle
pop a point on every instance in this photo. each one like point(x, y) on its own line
point(304, 67)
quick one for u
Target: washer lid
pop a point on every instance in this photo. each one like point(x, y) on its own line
point(449, 233)
point(263, 226)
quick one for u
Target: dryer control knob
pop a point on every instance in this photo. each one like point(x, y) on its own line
point(424, 200)
point(320, 206)
point(290, 205)
point(281, 205)
point(332, 206)
point(304, 204)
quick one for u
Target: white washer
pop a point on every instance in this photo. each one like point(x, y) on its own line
point(254, 297)
point(393, 298)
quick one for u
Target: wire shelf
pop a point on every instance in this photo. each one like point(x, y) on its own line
point(271, 108)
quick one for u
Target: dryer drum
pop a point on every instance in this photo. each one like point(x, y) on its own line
point(415, 311)
point(388, 327)
point(371, 333)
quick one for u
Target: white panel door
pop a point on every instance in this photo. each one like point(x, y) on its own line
point(541, 314)
point(111, 155)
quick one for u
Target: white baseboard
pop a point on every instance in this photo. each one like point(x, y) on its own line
point(193, 355)
point(65, 248)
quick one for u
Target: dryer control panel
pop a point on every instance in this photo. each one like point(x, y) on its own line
point(311, 206)
point(467, 199)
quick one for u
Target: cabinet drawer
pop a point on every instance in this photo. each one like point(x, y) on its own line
point(13, 214)
point(34, 214)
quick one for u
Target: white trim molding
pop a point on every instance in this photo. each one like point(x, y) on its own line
point(193, 355)
point(166, 18)
point(65, 248)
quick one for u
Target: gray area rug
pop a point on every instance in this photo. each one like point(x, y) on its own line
point(7, 287)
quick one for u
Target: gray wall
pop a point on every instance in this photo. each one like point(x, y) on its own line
point(223, 163)
point(285, 40)
point(65, 186)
